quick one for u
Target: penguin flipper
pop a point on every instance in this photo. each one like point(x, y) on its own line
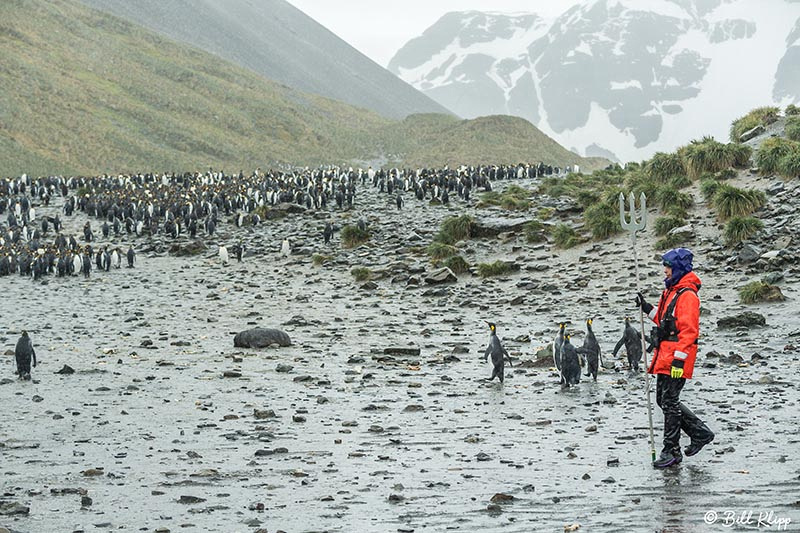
point(618, 346)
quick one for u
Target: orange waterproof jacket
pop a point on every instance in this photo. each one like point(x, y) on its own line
point(687, 320)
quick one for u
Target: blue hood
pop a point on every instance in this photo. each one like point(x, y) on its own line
point(680, 259)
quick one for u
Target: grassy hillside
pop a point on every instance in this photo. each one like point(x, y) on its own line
point(84, 92)
point(278, 41)
point(438, 140)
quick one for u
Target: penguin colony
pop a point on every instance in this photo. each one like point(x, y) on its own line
point(144, 205)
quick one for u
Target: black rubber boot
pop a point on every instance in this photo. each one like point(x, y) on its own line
point(697, 445)
point(668, 458)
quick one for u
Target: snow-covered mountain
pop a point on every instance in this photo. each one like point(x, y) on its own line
point(621, 77)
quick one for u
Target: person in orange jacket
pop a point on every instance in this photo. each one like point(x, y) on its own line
point(677, 320)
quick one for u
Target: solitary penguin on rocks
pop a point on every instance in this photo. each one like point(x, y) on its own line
point(399, 201)
point(24, 353)
point(591, 351)
point(498, 353)
point(240, 252)
point(633, 345)
point(286, 249)
point(558, 342)
point(223, 255)
point(131, 256)
point(327, 233)
point(570, 364)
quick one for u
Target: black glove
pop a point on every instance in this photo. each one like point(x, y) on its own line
point(646, 307)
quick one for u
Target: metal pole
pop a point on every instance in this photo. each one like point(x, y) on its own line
point(633, 226)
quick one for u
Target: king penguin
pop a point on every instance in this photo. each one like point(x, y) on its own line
point(223, 255)
point(570, 365)
point(25, 353)
point(286, 249)
point(591, 350)
point(498, 353)
point(633, 345)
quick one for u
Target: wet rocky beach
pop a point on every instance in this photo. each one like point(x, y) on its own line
point(378, 417)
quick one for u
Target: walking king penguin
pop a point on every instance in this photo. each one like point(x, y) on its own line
point(591, 351)
point(498, 353)
point(633, 345)
point(25, 353)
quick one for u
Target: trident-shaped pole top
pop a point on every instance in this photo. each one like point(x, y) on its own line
point(638, 221)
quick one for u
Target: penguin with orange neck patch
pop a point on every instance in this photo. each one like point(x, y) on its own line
point(498, 353)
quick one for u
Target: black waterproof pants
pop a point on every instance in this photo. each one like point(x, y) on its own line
point(677, 416)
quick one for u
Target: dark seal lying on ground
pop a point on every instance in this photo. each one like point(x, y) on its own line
point(261, 338)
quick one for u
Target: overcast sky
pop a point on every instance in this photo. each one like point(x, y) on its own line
point(378, 28)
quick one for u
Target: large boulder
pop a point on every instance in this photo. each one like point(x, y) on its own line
point(748, 319)
point(493, 226)
point(282, 210)
point(261, 338)
point(751, 133)
point(443, 275)
point(189, 249)
point(749, 253)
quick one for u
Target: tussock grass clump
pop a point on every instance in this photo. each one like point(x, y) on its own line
point(587, 198)
point(361, 274)
point(664, 224)
point(732, 202)
point(677, 211)
point(534, 231)
point(760, 291)
point(498, 268)
point(709, 187)
point(663, 167)
point(670, 241)
point(513, 198)
point(639, 182)
point(457, 264)
point(771, 152)
point(353, 236)
point(789, 165)
point(792, 110)
point(667, 196)
point(565, 236)
point(454, 229)
point(740, 154)
point(319, 259)
point(439, 250)
point(793, 128)
point(705, 155)
point(602, 220)
point(679, 182)
point(740, 229)
point(759, 116)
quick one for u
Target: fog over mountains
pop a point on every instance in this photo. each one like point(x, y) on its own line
point(621, 77)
